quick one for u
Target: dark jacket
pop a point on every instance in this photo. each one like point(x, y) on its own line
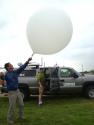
point(11, 78)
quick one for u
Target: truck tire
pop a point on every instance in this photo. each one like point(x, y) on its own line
point(90, 92)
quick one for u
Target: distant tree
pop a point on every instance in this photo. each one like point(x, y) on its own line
point(91, 71)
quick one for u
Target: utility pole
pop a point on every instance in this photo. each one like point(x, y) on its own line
point(41, 61)
point(82, 68)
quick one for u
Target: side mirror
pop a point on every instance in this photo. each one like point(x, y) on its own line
point(74, 75)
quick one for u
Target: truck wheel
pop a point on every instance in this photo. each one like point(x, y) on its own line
point(25, 93)
point(90, 92)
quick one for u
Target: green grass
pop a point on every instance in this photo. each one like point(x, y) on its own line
point(55, 111)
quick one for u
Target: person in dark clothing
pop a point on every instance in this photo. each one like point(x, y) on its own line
point(2, 81)
point(14, 93)
point(2, 78)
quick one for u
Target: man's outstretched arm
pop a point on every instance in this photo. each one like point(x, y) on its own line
point(21, 68)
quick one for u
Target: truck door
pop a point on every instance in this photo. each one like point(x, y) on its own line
point(54, 80)
point(28, 77)
point(67, 81)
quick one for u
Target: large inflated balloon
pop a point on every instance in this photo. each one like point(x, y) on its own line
point(49, 31)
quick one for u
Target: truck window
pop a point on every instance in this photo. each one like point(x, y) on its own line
point(65, 73)
point(47, 73)
point(28, 73)
point(54, 73)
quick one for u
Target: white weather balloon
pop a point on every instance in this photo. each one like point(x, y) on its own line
point(49, 31)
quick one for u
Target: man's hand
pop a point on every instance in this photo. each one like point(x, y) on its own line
point(30, 59)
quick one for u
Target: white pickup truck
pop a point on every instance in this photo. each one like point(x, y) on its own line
point(58, 80)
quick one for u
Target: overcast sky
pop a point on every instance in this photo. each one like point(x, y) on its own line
point(14, 46)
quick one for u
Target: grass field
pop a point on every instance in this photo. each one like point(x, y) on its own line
point(55, 111)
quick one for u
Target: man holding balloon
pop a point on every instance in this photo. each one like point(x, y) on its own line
point(14, 93)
